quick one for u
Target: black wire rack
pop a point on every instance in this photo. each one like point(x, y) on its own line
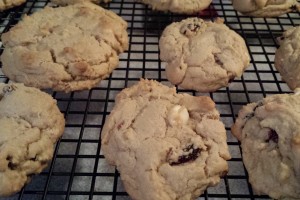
point(78, 170)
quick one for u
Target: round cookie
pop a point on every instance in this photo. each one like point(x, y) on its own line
point(287, 56)
point(178, 6)
point(165, 145)
point(69, 2)
point(31, 123)
point(7, 4)
point(66, 48)
point(265, 8)
point(270, 141)
point(202, 55)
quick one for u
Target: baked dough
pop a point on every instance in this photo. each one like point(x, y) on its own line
point(202, 55)
point(7, 4)
point(178, 6)
point(287, 57)
point(265, 8)
point(270, 141)
point(166, 146)
point(31, 123)
point(66, 48)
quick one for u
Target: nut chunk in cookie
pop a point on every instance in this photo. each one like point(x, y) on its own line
point(202, 55)
point(165, 145)
point(287, 57)
point(66, 48)
point(31, 123)
point(265, 8)
point(269, 132)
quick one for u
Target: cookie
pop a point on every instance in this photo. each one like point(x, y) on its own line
point(165, 145)
point(270, 141)
point(7, 4)
point(31, 123)
point(202, 55)
point(178, 6)
point(69, 2)
point(287, 57)
point(67, 48)
point(265, 8)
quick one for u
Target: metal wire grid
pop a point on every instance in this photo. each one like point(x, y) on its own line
point(78, 169)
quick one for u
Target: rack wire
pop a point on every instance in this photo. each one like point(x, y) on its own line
point(78, 169)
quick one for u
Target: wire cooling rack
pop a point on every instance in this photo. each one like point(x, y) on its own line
point(78, 169)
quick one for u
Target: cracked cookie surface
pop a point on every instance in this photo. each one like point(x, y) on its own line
point(165, 145)
point(178, 6)
point(287, 57)
point(202, 55)
point(66, 48)
point(7, 4)
point(31, 123)
point(270, 141)
point(265, 8)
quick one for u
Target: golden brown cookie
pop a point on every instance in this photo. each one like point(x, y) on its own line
point(202, 55)
point(165, 145)
point(287, 57)
point(70, 2)
point(66, 48)
point(265, 8)
point(178, 6)
point(7, 4)
point(31, 123)
point(270, 139)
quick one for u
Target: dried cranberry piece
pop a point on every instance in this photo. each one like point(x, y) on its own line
point(193, 27)
point(294, 7)
point(190, 157)
point(12, 166)
point(231, 80)
point(272, 136)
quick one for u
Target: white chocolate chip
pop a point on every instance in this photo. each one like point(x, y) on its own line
point(178, 115)
point(297, 91)
point(284, 172)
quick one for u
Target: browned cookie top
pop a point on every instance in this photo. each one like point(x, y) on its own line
point(66, 48)
point(265, 8)
point(270, 140)
point(202, 55)
point(30, 124)
point(287, 56)
point(166, 145)
point(178, 6)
